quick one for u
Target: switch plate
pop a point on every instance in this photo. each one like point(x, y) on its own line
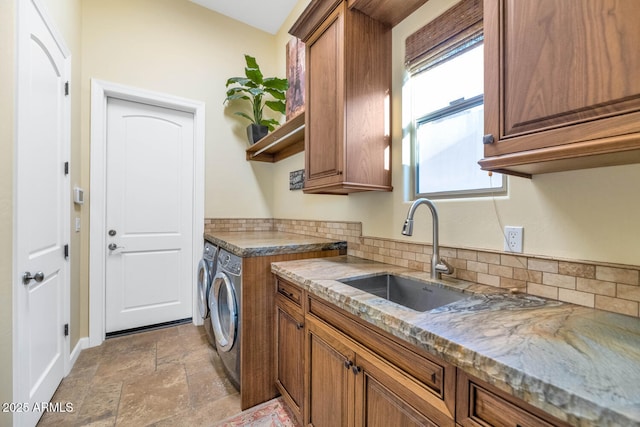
point(513, 239)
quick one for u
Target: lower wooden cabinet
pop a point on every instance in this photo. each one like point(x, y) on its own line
point(334, 369)
point(386, 396)
point(329, 374)
point(348, 385)
point(289, 346)
point(257, 381)
point(329, 378)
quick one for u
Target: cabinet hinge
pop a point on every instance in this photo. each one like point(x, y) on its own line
point(66, 329)
point(66, 88)
point(66, 168)
point(66, 251)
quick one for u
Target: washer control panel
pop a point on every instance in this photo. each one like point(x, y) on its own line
point(209, 252)
point(230, 263)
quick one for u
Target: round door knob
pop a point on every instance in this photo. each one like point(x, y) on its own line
point(27, 277)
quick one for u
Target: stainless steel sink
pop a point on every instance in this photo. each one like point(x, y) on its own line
point(414, 294)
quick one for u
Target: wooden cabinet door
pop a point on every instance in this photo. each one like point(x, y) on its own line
point(387, 396)
point(324, 111)
point(329, 377)
point(290, 353)
point(347, 104)
point(560, 75)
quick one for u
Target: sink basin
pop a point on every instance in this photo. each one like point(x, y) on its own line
point(414, 294)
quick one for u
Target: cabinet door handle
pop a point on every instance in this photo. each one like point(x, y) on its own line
point(356, 369)
point(487, 139)
point(299, 326)
point(348, 364)
point(433, 377)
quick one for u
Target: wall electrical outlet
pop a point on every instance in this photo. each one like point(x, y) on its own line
point(513, 239)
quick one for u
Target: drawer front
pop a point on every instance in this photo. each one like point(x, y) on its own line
point(496, 411)
point(481, 404)
point(290, 291)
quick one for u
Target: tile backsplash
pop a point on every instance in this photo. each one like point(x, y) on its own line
point(603, 286)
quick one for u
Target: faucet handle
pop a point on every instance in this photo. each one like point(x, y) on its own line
point(444, 267)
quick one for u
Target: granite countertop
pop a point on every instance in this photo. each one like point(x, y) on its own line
point(263, 243)
point(579, 364)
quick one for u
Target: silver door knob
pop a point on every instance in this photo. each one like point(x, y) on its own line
point(113, 247)
point(27, 277)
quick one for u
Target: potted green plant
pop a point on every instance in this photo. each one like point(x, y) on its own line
point(256, 88)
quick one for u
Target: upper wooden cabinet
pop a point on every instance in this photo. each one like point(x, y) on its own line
point(561, 84)
point(348, 88)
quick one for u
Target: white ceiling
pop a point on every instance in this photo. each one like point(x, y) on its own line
point(266, 15)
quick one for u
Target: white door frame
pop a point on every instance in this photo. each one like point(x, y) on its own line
point(100, 91)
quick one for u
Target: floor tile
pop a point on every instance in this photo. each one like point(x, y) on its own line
point(101, 403)
point(153, 397)
point(130, 361)
point(166, 377)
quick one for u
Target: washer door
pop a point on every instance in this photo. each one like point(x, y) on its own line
point(224, 312)
point(203, 284)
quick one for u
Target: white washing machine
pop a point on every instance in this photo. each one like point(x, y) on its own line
point(226, 319)
point(205, 275)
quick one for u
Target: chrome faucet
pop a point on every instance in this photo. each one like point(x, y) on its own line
point(438, 265)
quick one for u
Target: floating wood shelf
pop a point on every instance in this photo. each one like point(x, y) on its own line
point(283, 142)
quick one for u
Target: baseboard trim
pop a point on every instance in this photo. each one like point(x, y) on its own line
point(73, 357)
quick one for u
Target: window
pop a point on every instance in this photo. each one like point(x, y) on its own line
point(445, 63)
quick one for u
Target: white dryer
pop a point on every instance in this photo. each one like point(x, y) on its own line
point(205, 275)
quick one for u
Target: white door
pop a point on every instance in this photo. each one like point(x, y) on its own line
point(149, 215)
point(41, 215)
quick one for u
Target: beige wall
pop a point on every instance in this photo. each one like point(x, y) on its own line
point(179, 48)
point(583, 215)
point(66, 14)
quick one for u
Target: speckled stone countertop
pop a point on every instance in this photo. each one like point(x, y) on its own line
point(579, 364)
point(263, 243)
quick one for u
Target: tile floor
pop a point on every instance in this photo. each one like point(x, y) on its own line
point(167, 377)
